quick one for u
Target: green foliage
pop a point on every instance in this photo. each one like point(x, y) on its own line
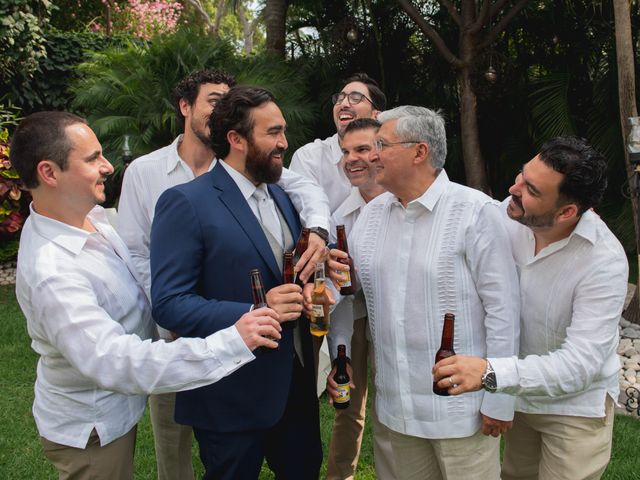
point(21, 35)
point(127, 90)
point(47, 88)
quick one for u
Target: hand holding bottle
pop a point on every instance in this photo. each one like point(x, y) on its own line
point(259, 327)
point(286, 300)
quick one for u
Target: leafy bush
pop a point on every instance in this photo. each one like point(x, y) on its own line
point(14, 198)
point(47, 88)
point(127, 90)
point(21, 36)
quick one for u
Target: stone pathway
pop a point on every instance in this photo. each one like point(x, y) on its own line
point(628, 350)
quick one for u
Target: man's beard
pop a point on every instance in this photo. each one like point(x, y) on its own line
point(200, 134)
point(544, 220)
point(259, 164)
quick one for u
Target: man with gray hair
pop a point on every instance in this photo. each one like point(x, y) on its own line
point(450, 254)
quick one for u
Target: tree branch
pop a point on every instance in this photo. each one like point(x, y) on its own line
point(502, 24)
point(197, 5)
point(431, 34)
point(452, 11)
point(482, 18)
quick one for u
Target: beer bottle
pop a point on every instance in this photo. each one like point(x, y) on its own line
point(288, 277)
point(319, 319)
point(300, 248)
point(348, 285)
point(446, 349)
point(341, 377)
point(259, 301)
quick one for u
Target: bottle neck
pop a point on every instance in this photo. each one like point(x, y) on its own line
point(447, 335)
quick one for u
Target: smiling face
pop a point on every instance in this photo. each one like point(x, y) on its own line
point(344, 112)
point(83, 179)
point(535, 195)
point(197, 115)
point(357, 148)
point(393, 162)
point(266, 144)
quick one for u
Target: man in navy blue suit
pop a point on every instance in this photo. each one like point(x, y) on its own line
point(206, 237)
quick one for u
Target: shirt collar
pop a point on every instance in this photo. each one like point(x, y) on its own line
point(586, 226)
point(244, 184)
point(430, 197)
point(65, 235)
point(336, 151)
point(173, 159)
point(353, 202)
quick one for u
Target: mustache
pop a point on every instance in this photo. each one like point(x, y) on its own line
point(277, 151)
point(517, 201)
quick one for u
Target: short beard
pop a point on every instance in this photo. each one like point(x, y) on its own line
point(260, 167)
point(203, 137)
point(545, 220)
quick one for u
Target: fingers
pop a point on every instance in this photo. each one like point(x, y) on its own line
point(259, 328)
point(314, 254)
point(335, 268)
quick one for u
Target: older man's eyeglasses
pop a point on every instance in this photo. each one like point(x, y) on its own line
point(381, 144)
point(353, 97)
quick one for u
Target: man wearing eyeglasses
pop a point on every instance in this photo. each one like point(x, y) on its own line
point(189, 156)
point(320, 160)
point(425, 248)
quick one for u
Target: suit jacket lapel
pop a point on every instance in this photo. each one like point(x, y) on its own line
point(235, 202)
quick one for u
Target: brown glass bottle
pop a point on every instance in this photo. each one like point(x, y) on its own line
point(446, 348)
point(348, 285)
point(301, 246)
point(343, 380)
point(259, 301)
point(288, 277)
point(319, 319)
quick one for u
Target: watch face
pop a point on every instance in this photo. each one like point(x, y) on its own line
point(489, 382)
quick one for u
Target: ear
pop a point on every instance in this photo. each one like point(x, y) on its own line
point(185, 108)
point(568, 212)
point(47, 172)
point(236, 141)
point(422, 153)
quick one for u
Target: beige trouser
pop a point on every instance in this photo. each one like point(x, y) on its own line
point(348, 424)
point(114, 460)
point(469, 458)
point(558, 447)
point(172, 440)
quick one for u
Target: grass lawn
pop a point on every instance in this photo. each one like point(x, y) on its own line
point(21, 454)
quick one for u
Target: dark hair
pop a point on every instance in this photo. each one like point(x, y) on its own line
point(378, 98)
point(233, 112)
point(584, 170)
point(41, 136)
point(361, 124)
point(189, 87)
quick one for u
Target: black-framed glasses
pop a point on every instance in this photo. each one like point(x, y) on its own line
point(353, 97)
point(381, 144)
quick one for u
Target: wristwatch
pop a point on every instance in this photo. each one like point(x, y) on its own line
point(488, 381)
point(321, 232)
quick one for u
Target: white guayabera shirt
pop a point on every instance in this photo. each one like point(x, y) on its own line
point(572, 294)
point(90, 321)
point(447, 251)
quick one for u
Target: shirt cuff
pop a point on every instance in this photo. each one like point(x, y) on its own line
point(229, 348)
point(506, 370)
point(317, 221)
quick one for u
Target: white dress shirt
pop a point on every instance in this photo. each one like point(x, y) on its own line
point(150, 175)
point(572, 295)
point(350, 307)
point(90, 322)
point(447, 251)
point(320, 161)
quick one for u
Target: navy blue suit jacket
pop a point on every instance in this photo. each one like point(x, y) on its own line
point(205, 240)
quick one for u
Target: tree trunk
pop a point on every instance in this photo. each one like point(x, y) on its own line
point(627, 102)
point(275, 16)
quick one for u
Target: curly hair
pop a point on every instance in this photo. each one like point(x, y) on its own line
point(233, 112)
point(189, 87)
point(584, 170)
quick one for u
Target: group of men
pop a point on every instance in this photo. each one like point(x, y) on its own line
point(536, 284)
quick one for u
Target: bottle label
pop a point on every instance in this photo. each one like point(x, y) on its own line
point(318, 312)
point(346, 282)
point(344, 393)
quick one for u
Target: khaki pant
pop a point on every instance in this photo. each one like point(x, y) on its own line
point(348, 424)
point(113, 461)
point(558, 447)
point(172, 440)
point(474, 457)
